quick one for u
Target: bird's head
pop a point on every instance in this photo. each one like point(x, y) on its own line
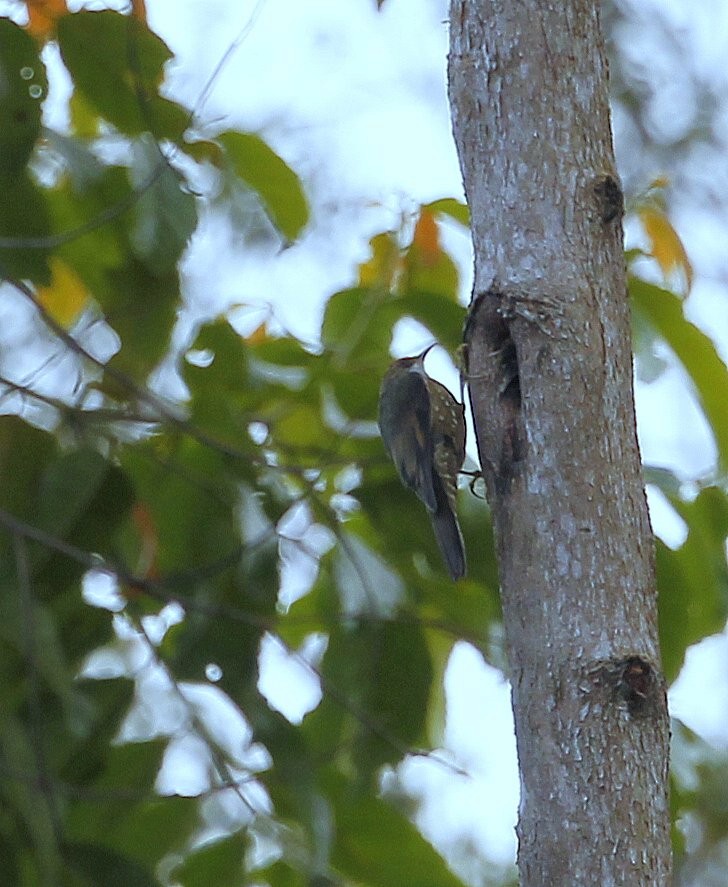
point(415, 364)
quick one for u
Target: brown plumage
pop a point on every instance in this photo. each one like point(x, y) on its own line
point(423, 429)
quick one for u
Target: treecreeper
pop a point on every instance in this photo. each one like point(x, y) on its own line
point(423, 429)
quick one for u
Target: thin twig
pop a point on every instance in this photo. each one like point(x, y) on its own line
point(162, 589)
point(227, 55)
point(110, 794)
point(53, 241)
point(198, 725)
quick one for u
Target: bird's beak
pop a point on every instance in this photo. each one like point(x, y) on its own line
point(427, 350)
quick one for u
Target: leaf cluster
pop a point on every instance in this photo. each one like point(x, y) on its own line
point(269, 467)
point(692, 577)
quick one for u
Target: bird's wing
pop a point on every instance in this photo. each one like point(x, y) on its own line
point(407, 435)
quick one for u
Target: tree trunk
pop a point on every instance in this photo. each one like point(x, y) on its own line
point(550, 374)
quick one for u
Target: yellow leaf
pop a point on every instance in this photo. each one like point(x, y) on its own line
point(661, 182)
point(666, 247)
point(43, 15)
point(384, 266)
point(67, 296)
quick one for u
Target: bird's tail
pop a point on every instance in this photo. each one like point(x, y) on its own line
point(449, 538)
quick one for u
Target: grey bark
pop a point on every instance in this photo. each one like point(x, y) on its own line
point(550, 373)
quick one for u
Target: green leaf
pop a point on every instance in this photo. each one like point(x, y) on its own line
point(693, 349)
point(301, 426)
point(24, 454)
point(20, 797)
point(116, 62)
point(383, 672)
point(291, 779)
point(139, 298)
point(229, 391)
point(24, 219)
point(192, 502)
point(693, 581)
point(401, 675)
point(24, 87)
point(79, 203)
point(141, 306)
point(96, 725)
point(155, 828)
point(220, 384)
point(232, 644)
point(475, 520)
point(283, 351)
point(278, 187)
point(123, 789)
point(100, 865)
point(357, 327)
point(131, 766)
point(82, 166)
point(400, 520)
point(443, 316)
point(698, 795)
point(450, 207)
point(356, 393)
point(314, 611)
point(439, 646)
point(377, 847)
point(84, 499)
point(165, 215)
point(219, 863)
point(281, 875)
point(54, 675)
point(68, 488)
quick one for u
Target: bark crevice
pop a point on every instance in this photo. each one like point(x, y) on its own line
point(490, 321)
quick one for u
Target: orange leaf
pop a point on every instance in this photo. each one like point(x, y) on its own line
point(666, 247)
point(66, 296)
point(43, 15)
point(426, 240)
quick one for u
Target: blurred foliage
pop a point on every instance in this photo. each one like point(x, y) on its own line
point(195, 512)
point(192, 503)
point(692, 578)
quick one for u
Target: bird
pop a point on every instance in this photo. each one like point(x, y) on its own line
point(423, 429)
